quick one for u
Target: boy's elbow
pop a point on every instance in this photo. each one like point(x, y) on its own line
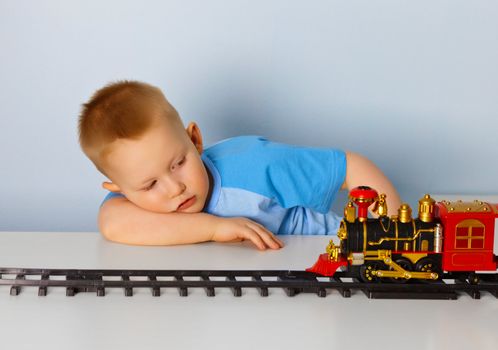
point(105, 230)
point(360, 171)
point(107, 225)
point(118, 220)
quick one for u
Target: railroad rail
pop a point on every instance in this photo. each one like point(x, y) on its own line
point(293, 282)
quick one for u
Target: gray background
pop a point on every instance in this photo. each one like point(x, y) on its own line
point(410, 84)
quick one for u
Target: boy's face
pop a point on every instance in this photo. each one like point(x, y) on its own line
point(162, 171)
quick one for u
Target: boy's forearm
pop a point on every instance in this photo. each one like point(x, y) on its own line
point(361, 171)
point(123, 222)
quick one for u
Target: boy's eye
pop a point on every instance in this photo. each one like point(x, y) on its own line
point(150, 186)
point(179, 163)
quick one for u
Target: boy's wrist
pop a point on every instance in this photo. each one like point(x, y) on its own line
point(214, 227)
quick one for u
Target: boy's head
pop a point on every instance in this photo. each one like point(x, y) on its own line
point(136, 138)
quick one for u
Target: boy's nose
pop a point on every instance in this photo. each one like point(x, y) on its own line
point(175, 188)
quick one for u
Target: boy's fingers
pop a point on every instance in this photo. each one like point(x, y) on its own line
point(265, 235)
point(272, 236)
point(255, 238)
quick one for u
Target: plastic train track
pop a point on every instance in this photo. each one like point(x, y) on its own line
point(293, 282)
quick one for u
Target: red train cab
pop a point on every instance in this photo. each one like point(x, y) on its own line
point(469, 230)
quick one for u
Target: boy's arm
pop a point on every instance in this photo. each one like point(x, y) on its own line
point(361, 171)
point(122, 221)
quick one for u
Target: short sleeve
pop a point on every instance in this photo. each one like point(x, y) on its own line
point(289, 175)
point(111, 195)
point(305, 176)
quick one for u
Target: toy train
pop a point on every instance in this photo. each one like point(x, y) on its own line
point(447, 237)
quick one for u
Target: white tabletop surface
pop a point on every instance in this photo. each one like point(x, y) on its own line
point(224, 321)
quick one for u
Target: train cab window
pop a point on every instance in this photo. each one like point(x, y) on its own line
point(469, 235)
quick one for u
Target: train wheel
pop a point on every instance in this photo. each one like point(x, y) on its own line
point(367, 271)
point(473, 278)
point(428, 264)
point(405, 265)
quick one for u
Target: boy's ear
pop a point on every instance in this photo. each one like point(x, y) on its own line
point(194, 133)
point(111, 186)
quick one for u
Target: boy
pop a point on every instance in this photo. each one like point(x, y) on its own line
point(166, 189)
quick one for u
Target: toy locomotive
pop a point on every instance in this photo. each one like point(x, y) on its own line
point(453, 237)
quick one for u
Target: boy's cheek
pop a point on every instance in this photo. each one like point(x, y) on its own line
point(149, 205)
point(201, 205)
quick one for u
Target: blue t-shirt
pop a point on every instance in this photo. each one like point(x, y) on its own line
point(288, 189)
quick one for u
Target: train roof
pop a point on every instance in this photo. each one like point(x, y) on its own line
point(460, 207)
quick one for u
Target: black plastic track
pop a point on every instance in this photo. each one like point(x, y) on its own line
point(293, 282)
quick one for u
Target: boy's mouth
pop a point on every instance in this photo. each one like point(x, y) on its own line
point(186, 204)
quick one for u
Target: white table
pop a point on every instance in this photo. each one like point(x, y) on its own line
point(305, 321)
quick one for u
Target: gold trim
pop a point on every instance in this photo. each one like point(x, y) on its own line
point(414, 237)
point(426, 208)
point(333, 251)
point(364, 236)
point(405, 213)
point(414, 241)
point(396, 236)
point(396, 270)
point(350, 212)
point(364, 200)
point(383, 227)
point(380, 207)
point(459, 206)
point(424, 245)
point(342, 233)
point(469, 224)
point(377, 254)
point(414, 257)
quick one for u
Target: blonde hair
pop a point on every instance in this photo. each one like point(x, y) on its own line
point(120, 110)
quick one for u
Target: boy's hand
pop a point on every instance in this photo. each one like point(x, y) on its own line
point(239, 229)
